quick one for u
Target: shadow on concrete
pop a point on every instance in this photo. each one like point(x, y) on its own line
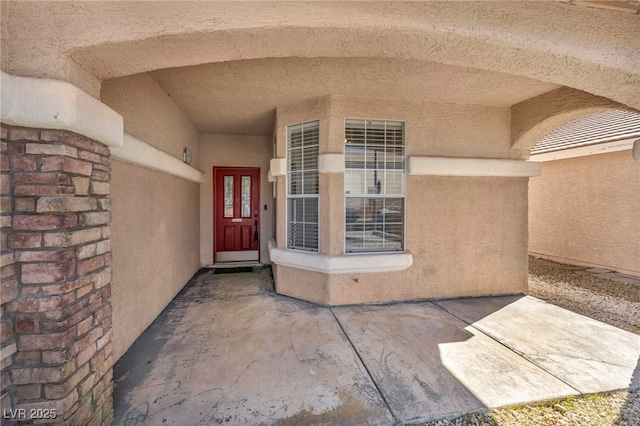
point(400, 346)
point(137, 363)
point(635, 379)
point(629, 414)
point(471, 312)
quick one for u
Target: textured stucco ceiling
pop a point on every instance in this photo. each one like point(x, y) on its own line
point(227, 65)
point(240, 97)
point(592, 47)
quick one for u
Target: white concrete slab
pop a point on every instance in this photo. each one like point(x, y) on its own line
point(247, 360)
point(587, 354)
point(430, 365)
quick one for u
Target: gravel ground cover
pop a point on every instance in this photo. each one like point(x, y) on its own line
point(613, 302)
point(612, 409)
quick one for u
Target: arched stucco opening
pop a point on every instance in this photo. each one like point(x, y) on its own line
point(534, 118)
point(583, 209)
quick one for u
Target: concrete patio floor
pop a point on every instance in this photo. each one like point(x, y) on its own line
point(229, 350)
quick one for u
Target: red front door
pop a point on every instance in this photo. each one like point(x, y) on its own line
point(236, 214)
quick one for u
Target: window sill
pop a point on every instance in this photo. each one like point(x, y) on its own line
point(340, 264)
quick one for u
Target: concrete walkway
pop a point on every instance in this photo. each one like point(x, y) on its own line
point(606, 274)
point(228, 350)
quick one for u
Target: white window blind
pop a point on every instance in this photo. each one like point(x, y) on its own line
point(302, 186)
point(374, 183)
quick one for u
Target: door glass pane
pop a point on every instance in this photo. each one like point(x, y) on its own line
point(246, 196)
point(228, 196)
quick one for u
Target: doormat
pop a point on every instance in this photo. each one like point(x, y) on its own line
point(236, 270)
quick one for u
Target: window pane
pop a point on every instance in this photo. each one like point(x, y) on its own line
point(375, 133)
point(303, 210)
point(354, 240)
point(311, 236)
point(355, 181)
point(246, 196)
point(228, 196)
point(295, 159)
point(295, 182)
point(395, 133)
point(295, 233)
point(295, 136)
point(355, 210)
point(374, 224)
point(311, 210)
point(394, 182)
point(303, 223)
point(310, 135)
point(310, 182)
point(310, 158)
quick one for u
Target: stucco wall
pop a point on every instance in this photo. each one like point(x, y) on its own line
point(234, 151)
point(467, 235)
point(150, 115)
point(154, 239)
point(586, 211)
point(156, 222)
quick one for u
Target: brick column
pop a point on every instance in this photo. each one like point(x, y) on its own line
point(9, 283)
point(56, 275)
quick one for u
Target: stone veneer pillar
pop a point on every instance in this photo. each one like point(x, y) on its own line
point(56, 278)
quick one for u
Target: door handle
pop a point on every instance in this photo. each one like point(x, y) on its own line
point(255, 232)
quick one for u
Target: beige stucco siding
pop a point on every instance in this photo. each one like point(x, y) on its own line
point(155, 224)
point(436, 129)
point(234, 151)
point(151, 116)
point(154, 239)
point(467, 235)
point(586, 211)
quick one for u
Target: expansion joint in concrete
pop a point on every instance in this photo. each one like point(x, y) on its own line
point(373, 380)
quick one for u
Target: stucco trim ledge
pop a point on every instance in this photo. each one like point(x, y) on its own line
point(340, 264)
point(53, 104)
point(278, 167)
point(331, 163)
point(135, 151)
point(494, 167)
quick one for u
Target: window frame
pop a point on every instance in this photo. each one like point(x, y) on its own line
point(370, 196)
point(290, 196)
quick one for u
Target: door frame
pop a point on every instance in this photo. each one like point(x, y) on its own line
point(214, 176)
